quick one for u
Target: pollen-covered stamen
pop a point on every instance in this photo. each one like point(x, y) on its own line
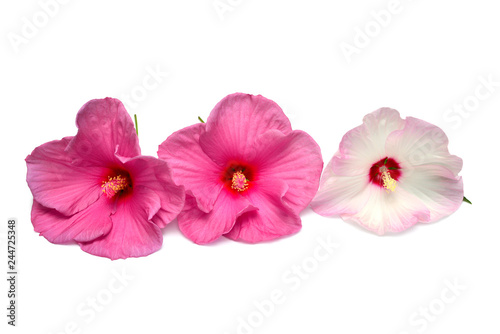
point(386, 173)
point(389, 183)
point(114, 185)
point(239, 181)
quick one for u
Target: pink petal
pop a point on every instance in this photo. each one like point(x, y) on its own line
point(236, 122)
point(191, 167)
point(295, 159)
point(133, 234)
point(156, 175)
point(365, 144)
point(104, 128)
point(56, 182)
point(203, 228)
point(86, 225)
point(437, 187)
point(340, 194)
point(273, 219)
point(420, 143)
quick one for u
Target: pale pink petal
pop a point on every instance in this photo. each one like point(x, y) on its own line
point(203, 228)
point(437, 187)
point(58, 183)
point(236, 122)
point(104, 128)
point(273, 219)
point(191, 167)
point(133, 234)
point(340, 194)
point(389, 212)
point(421, 143)
point(364, 145)
point(156, 175)
point(295, 159)
point(86, 225)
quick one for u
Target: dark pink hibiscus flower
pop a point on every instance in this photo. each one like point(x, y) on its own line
point(98, 190)
point(247, 174)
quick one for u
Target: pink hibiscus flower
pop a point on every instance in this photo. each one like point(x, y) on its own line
point(247, 174)
point(391, 173)
point(97, 190)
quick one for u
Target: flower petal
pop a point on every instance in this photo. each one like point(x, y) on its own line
point(365, 144)
point(104, 128)
point(436, 187)
point(203, 228)
point(191, 167)
point(57, 182)
point(235, 123)
point(86, 225)
point(420, 143)
point(133, 234)
point(389, 212)
point(156, 175)
point(340, 194)
point(294, 158)
point(273, 219)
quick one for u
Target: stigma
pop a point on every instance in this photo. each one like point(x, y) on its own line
point(114, 185)
point(239, 181)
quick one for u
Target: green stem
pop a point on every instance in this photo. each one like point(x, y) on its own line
point(199, 118)
point(466, 200)
point(136, 127)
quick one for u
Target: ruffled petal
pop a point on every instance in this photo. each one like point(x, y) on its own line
point(58, 183)
point(104, 128)
point(86, 225)
point(273, 219)
point(389, 212)
point(236, 122)
point(156, 175)
point(436, 187)
point(133, 234)
point(191, 167)
point(421, 143)
point(340, 194)
point(295, 159)
point(203, 228)
point(364, 145)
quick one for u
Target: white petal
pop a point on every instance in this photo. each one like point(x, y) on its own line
point(340, 194)
point(365, 144)
point(420, 143)
point(389, 212)
point(437, 188)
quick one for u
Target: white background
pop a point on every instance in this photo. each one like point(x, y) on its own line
point(428, 58)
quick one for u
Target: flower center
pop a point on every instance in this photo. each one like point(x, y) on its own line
point(115, 184)
point(238, 176)
point(385, 173)
point(239, 181)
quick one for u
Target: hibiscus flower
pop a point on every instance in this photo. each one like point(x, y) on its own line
point(247, 174)
point(390, 173)
point(97, 189)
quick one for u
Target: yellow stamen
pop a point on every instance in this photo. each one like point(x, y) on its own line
point(389, 183)
point(239, 182)
point(114, 185)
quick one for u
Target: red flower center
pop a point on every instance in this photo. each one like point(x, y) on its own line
point(385, 173)
point(238, 176)
point(119, 182)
